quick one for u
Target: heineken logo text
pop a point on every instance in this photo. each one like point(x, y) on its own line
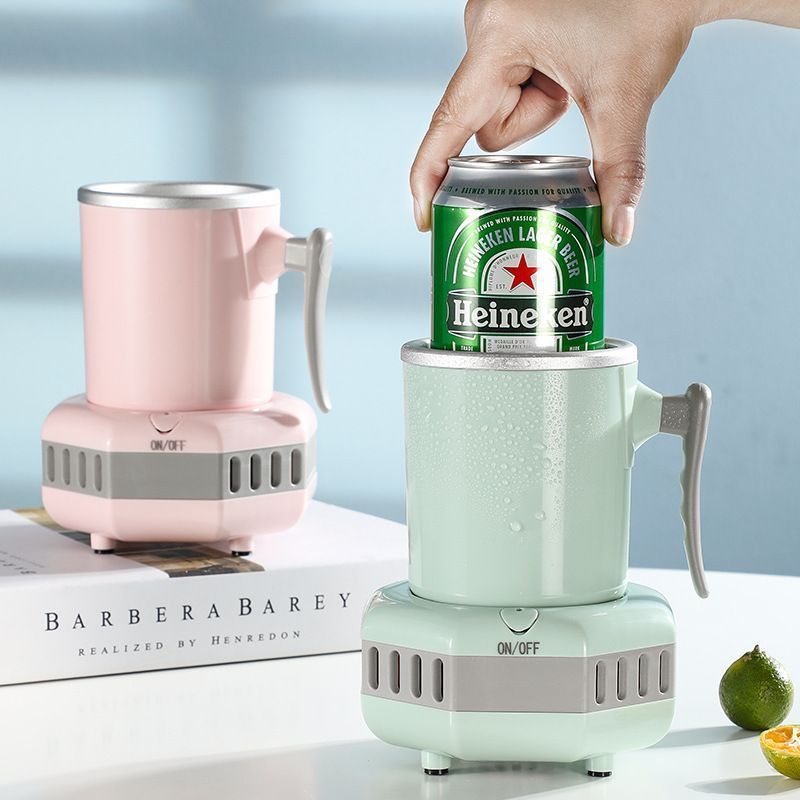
point(544, 236)
point(569, 314)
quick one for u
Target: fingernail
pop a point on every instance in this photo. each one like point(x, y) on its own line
point(622, 225)
point(418, 218)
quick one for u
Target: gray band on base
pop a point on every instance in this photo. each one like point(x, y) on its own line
point(177, 476)
point(545, 684)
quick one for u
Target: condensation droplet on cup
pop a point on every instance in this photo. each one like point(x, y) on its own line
point(540, 515)
point(506, 499)
point(515, 526)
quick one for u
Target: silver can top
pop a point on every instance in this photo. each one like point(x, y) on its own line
point(616, 353)
point(165, 195)
point(519, 162)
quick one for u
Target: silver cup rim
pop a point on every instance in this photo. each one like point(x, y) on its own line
point(178, 194)
point(616, 353)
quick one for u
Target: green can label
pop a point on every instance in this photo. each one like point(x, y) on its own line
point(517, 279)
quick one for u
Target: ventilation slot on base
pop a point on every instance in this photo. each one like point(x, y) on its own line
point(415, 676)
point(275, 465)
point(255, 472)
point(437, 680)
point(600, 683)
point(82, 469)
point(98, 473)
point(394, 671)
point(235, 475)
point(622, 678)
point(664, 671)
point(297, 467)
point(50, 464)
point(372, 668)
point(65, 466)
point(643, 663)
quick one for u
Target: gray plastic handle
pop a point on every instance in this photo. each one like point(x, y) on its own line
point(312, 256)
point(687, 415)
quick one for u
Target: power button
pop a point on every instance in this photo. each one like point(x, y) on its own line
point(519, 620)
point(166, 422)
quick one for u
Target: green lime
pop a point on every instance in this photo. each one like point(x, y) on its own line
point(756, 692)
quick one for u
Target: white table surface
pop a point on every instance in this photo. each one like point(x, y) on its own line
point(292, 729)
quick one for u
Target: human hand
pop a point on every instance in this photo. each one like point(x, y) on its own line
point(525, 61)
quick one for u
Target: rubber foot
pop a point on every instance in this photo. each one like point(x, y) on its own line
point(104, 552)
point(592, 774)
point(238, 553)
point(436, 771)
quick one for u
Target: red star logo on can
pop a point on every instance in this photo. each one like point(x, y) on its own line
point(522, 274)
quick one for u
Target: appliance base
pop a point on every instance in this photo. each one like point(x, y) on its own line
point(200, 476)
point(570, 684)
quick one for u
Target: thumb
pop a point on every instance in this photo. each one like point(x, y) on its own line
point(617, 132)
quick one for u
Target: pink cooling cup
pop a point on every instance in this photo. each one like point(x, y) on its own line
point(179, 284)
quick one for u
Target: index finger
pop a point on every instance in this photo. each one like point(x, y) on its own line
point(471, 99)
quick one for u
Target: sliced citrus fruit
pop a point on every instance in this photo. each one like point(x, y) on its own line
point(781, 747)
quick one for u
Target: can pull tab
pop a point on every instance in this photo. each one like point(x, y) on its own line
point(312, 256)
point(687, 416)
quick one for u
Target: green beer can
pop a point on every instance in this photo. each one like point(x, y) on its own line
point(517, 261)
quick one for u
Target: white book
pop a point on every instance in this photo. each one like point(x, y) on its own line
point(66, 612)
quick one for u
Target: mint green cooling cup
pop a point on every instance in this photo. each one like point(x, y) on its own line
point(519, 472)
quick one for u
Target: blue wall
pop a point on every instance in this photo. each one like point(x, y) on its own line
point(328, 102)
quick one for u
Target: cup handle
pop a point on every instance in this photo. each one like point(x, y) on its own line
point(687, 416)
point(312, 256)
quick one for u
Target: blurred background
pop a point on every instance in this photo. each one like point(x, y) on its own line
point(328, 101)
